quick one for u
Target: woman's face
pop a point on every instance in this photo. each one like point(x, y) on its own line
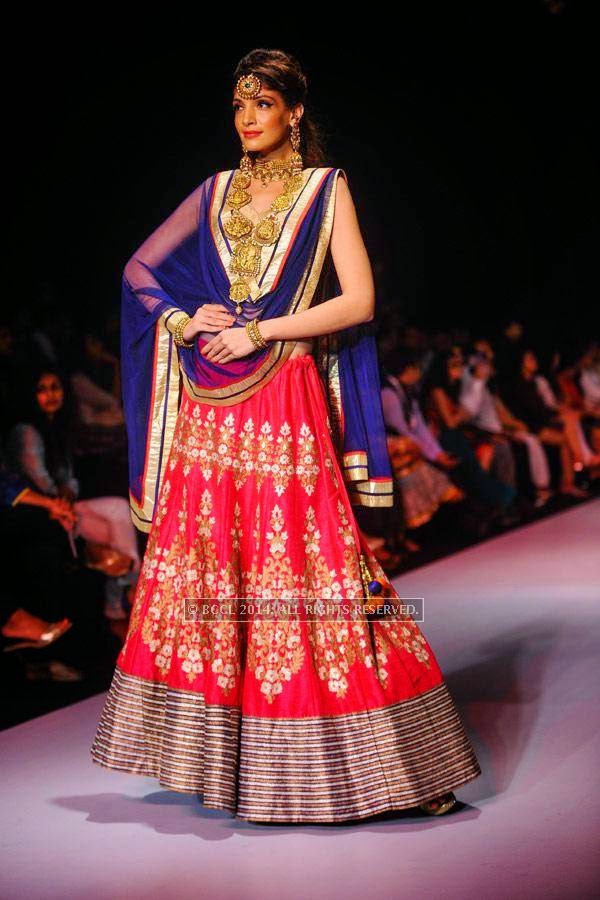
point(410, 375)
point(530, 362)
point(455, 365)
point(263, 123)
point(49, 393)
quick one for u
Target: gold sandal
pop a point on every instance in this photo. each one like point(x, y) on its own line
point(444, 803)
point(52, 633)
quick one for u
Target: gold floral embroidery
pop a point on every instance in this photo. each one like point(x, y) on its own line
point(171, 574)
point(193, 567)
point(276, 580)
point(404, 635)
point(336, 646)
point(198, 441)
point(275, 649)
point(331, 469)
point(148, 563)
point(275, 653)
point(226, 445)
point(308, 468)
point(164, 611)
point(282, 466)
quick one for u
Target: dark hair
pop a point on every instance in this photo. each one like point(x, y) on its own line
point(399, 359)
point(438, 377)
point(56, 433)
point(280, 71)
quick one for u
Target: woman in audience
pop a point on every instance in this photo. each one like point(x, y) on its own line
point(22, 627)
point(447, 418)
point(479, 395)
point(589, 378)
point(578, 383)
point(39, 448)
point(530, 396)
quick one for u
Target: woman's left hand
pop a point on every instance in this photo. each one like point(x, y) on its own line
point(231, 343)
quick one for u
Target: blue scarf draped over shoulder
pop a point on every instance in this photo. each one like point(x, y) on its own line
point(185, 264)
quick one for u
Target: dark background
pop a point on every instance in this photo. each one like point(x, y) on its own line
point(466, 133)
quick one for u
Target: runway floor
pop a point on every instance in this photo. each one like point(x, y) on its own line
point(514, 622)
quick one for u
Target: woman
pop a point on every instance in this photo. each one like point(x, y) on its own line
point(413, 449)
point(479, 395)
point(282, 710)
point(38, 448)
point(449, 420)
point(530, 396)
point(22, 627)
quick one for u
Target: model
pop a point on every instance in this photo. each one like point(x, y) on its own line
point(256, 670)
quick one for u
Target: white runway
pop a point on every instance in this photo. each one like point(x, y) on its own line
point(514, 623)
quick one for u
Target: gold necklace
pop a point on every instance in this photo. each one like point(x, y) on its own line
point(266, 170)
point(250, 238)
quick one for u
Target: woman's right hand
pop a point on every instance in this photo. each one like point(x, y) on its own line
point(209, 317)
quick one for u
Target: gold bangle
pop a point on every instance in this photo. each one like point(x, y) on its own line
point(178, 332)
point(254, 334)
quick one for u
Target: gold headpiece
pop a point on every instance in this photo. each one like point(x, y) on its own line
point(249, 86)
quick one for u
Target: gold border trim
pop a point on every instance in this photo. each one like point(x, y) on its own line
point(162, 417)
point(19, 495)
point(355, 466)
point(371, 492)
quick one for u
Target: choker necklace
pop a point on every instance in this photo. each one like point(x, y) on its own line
point(266, 170)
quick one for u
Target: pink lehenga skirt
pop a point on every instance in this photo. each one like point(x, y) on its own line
point(274, 717)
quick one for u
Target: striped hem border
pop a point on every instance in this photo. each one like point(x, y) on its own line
point(314, 769)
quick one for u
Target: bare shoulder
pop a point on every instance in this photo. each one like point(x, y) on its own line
point(342, 191)
point(344, 202)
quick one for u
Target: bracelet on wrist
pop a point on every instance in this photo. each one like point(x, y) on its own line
point(254, 334)
point(178, 332)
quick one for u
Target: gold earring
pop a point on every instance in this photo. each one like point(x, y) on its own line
point(245, 162)
point(296, 157)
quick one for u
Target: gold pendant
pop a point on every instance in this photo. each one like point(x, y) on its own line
point(238, 197)
point(237, 225)
point(266, 232)
point(284, 201)
point(238, 292)
point(246, 258)
point(293, 184)
point(240, 181)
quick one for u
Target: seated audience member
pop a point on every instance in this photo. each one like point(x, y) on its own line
point(39, 449)
point(530, 397)
point(411, 445)
point(479, 396)
point(447, 417)
point(589, 379)
point(22, 626)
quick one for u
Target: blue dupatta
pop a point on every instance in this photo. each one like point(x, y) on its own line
point(184, 264)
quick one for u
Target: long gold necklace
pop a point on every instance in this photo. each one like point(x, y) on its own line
point(251, 238)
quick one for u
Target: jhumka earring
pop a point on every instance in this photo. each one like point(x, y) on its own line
point(246, 162)
point(296, 157)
